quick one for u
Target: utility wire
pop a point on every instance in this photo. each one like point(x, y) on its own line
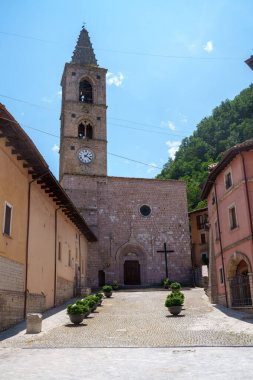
point(129, 52)
point(118, 125)
point(111, 154)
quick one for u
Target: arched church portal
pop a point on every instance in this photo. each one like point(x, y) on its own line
point(239, 280)
point(132, 265)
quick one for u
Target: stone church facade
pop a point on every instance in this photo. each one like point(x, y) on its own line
point(131, 217)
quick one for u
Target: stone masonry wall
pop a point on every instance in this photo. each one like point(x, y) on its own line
point(64, 290)
point(11, 292)
point(110, 206)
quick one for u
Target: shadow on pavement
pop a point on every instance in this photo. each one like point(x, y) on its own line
point(241, 315)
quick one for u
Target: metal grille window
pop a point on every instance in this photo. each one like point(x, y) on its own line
point(221, 276)
point(59, 250)
point(7, 219)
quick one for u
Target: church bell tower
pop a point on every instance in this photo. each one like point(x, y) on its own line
point(83, 145)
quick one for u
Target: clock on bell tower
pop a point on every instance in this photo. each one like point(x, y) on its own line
point(83, 145)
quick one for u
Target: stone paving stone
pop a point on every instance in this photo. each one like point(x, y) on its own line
point(140, 319)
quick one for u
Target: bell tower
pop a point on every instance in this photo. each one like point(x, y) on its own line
point(83, 145)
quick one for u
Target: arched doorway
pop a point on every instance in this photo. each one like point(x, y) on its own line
point(239, 281)
point(132, 264)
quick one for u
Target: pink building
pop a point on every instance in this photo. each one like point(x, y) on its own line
point(229, 191)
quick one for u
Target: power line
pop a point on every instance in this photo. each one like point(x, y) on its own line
point(118, 125)
point(111, 154)
point(170, 56)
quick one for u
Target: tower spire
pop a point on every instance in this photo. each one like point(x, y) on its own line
point(83, 53)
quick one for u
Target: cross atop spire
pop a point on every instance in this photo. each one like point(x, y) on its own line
point(83, 53)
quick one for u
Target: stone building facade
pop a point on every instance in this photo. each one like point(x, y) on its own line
point(131, 217)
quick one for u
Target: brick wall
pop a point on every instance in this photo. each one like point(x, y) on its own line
point(11, 292)
point(11, 275)
point(64, 290)
point(36, 303)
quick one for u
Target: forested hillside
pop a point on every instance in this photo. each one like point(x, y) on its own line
point(229, 124)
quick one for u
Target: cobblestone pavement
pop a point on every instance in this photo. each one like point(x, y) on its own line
point(140, 319)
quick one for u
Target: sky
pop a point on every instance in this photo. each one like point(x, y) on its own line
point(169, 64)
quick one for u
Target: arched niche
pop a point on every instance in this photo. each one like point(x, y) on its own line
point(85, 91)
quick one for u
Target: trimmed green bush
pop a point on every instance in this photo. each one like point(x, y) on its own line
point(74, 309)
point(175, 286)
point(107, 288)
point(174, 299)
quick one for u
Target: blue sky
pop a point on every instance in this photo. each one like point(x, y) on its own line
point(169, 62)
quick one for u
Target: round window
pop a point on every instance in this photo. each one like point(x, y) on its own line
point(145, 210)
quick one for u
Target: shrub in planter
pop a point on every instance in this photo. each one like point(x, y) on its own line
point(174, 299)
point(175, 286)
point(107, 289)
point(115, 285)
point(91, 302)
point(174, 302)
point(76, 313)
point(165, 283)
point(100, 298)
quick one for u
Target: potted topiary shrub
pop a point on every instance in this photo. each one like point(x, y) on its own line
point(76, 313)
point(85, 306)
point(174, 302)
point(175, 286)
point(107, 290)
point(165, 283)
point(91, 301)
point(100, 296)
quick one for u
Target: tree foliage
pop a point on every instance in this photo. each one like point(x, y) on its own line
point(230, 123)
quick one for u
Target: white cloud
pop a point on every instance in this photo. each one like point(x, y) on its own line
point(152, 167)
point(184, 119)
point(114, 79)
point(172, 147)
point(168, 124)
point(208, 46)
point(56, 148)
point(59, 93)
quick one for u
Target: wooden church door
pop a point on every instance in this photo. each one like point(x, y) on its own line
point(132, 273)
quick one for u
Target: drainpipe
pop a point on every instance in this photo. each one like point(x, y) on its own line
point(247, 194)
point(55, 251)
point(27, 237)
point(221, 247)
point(80, 259)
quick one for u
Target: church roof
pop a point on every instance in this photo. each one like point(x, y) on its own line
point(83, 53)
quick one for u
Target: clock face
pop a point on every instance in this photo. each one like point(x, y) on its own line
point(85, 156)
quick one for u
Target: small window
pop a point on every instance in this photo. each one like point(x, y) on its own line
point(221, 276)
point(69, 259)
point(73, 74)
point(73, 115)
point(204, 258)
point(232, 218)
point(228, 180)
point(98, 76)
point(85, 92)
point(7, 219)
point(145, 210)
point(217, 234)
point(203, 238)
point(213, 199)
point(59, 250)
point(201, 222)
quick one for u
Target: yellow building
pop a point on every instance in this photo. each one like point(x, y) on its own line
point(44, 240)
